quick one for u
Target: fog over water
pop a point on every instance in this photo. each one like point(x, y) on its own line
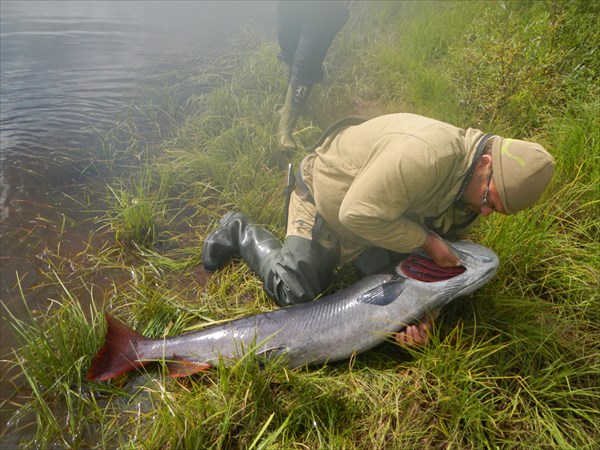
point(68, 66)
point(69, 69)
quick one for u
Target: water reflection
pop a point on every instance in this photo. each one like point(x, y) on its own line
point(68, 65)
point(68, 70)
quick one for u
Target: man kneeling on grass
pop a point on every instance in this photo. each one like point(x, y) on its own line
point(372, 192)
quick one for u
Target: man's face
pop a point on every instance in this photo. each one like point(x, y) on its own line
point(481, 196)
point(490, 201)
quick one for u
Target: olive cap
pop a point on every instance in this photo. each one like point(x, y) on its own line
point(522, 172)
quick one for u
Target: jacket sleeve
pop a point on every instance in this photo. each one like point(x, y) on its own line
point(377, 205)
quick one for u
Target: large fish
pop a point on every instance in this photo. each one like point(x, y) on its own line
point(332, 328)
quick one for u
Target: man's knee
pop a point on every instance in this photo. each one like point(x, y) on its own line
point(286, 293)
point(303, 271)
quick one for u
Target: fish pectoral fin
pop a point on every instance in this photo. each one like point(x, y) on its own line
point(383, 294)
point(181, 367)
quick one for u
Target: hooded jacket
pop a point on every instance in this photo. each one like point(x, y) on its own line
point(383, 182)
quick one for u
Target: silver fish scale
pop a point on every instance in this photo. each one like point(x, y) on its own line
point(330, 328)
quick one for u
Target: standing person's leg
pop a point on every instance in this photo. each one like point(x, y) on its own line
point(289, 27)
point(295, 99)
point(321, 21)
point(317, 35)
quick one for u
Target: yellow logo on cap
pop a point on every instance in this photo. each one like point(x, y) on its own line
point(504, 150)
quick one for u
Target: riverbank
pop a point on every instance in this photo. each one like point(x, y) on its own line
point(516, 365)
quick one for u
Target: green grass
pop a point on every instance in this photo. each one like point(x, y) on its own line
point(517, 365)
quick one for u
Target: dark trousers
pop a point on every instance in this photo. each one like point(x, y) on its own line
point(305, 31)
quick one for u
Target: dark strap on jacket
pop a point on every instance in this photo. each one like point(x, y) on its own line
point(336, 126)
point(478, 152)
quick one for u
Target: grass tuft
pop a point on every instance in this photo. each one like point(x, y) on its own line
point(515, 366)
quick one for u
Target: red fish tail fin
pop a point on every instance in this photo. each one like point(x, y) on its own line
point(119, 353)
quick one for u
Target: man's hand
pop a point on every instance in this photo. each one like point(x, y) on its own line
point(416, 335)
point(439, 251)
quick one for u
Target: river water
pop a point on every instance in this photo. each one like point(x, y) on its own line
point(69, 69)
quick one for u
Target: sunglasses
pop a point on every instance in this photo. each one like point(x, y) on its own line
point(486, 195)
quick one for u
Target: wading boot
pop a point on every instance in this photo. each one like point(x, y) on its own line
point(237, 235)
point(295, 99)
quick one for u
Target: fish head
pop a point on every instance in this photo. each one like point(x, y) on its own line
point(474, 257)
point(480, 263)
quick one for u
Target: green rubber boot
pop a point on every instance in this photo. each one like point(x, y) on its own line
point(296, 97)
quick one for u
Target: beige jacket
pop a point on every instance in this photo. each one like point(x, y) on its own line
point(378, 183)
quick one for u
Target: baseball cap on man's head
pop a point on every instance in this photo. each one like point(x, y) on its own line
point(522, 172)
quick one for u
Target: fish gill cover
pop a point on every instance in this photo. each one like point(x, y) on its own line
point(424, 269)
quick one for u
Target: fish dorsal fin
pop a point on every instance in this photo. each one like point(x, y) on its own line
point(384, 294)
